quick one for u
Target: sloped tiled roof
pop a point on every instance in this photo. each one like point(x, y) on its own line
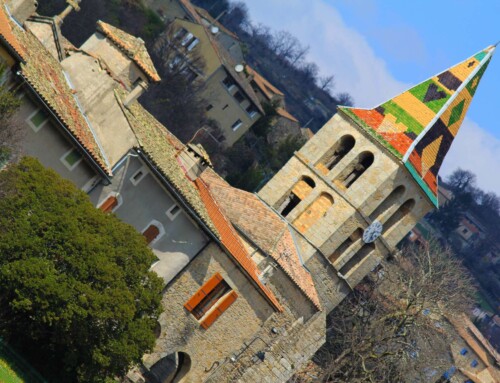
point(133, 46)
point(162, 147)
point(230, 240)
point(7, 35)
point(45, 74)
point(263, 227)
point(419, 125)
point(207, 16)
point(284, 113)
point(265, 86)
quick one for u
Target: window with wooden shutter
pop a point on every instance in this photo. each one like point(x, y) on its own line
point(151, 233)
point(108, 205)
point(211, 300)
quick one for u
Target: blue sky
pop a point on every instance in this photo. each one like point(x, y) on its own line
point(377, 49)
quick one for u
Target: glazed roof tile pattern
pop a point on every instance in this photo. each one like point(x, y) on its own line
point(162, 147)
point(45, 74)
point(419, 125)
point(133, 46)
point(231, 242)
point(265, 228)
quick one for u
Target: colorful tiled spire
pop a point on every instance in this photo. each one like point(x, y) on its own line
point(419, 125)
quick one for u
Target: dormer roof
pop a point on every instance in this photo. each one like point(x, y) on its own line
point(419, 125)
point(133, 47)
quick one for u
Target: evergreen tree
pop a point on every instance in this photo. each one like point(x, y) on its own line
point(77, 298)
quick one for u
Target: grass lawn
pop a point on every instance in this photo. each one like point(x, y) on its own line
point(7, 374)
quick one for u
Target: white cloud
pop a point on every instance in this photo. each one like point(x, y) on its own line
point(346, 53)
point(336, 48)
point(476, 150)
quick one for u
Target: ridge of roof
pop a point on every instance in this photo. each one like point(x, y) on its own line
point(161, 147)
point(229, 239)
point(265, 228)
point(134, 47)
point(419, 125)
point(286, 114)
point(46, 77)
point(206, 15)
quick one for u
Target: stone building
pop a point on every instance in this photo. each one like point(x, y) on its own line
point(249, 278)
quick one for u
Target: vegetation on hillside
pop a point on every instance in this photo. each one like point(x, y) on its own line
point(77, 298)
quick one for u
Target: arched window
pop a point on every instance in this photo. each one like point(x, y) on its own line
point(314, 212)
point(339, 151)
point(299, 192)
point(109, 204)
point(172, 368)
point(354, 237)
point(151, 233)
point(399, 214)
point(391, 201)
point(357, 258)
point(355, 169)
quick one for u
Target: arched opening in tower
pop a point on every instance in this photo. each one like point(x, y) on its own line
point(355, 169)
point(362, 253)
point(399, 214)
point(388, 204)
point(340, 150)
point(344, 246)
point(314, 212)
point(298, 193)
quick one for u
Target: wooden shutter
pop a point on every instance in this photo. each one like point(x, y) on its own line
point(108, 205)
point(151, 233)
point(221, 306)
point(203, 291)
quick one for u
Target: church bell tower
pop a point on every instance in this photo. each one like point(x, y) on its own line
point(369, 175)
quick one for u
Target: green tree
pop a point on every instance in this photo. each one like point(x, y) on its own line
point(77, 298)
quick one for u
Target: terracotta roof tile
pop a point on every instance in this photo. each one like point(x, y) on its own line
point(284, 113)
point(7, 35)
point(265, 228)
point(231, 242)
point(265, 86)
point(204, 13)
point(133, 46)
point(45, 74)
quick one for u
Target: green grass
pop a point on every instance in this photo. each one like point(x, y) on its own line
point(7, 374)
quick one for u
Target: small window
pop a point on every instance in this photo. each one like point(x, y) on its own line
point(173, 212)
point(192, 44)
point(109, 204)
point(180, 34)
point(474, 363)
point(211, 300)
point(138, 176)
point(71, 159)
point(463, 351)
point(251, 110)
point(464, 231)
point(239, 97)
point(186, 39)
point(225, 107)
point(37, 120)
point(237, 124)
point(209, 107)
point(151, 233)
point(228, 82)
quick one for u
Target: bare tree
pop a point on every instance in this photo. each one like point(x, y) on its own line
point(285, 45)
point(461, 180)
point(392, 328)
point(326, 83)
point(177, 101)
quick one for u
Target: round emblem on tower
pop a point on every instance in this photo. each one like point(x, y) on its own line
point(372, 232)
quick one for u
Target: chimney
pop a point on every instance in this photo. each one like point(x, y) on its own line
point(194, 159)
point(140, 87)
point(72, 4)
